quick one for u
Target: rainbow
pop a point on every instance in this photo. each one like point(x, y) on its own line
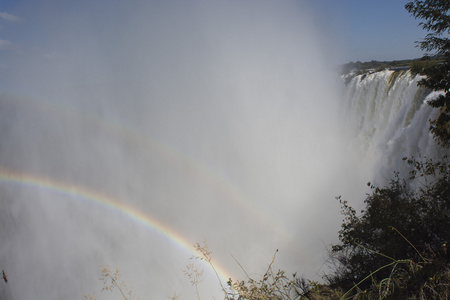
point(126, 211)
point(211, 178)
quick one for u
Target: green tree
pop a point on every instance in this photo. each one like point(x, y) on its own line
point(436, 20)
point(397, 246)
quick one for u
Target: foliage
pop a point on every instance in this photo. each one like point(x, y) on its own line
point(436, 21)
point(364, 67)
point(397, 247)
point(419, 66)
point(272, 285)
point(111, 281)
point(195, 273)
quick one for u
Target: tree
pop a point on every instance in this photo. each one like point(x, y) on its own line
point(400, 239)
point(436, 20)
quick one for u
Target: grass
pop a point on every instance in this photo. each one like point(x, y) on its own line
point(111, 282)
point(276, 285)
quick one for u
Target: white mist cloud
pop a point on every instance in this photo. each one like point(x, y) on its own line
point(9, 17)
point(218, 119)
point(5, 44)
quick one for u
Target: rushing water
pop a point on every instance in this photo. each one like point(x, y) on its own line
point(389, 118)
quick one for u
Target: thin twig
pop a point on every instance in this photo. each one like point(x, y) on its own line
point(392, 227)
point(370, 275)
point(118, 286)
point(246, 274)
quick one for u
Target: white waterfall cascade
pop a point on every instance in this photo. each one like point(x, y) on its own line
point(389, 118)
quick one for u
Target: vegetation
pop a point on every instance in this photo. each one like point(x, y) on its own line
point(364, 67)
point(419, 66)
point(111, 281)
point(273, 284)
point(397, 247)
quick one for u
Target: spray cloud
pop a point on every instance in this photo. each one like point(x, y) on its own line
point(208, 121)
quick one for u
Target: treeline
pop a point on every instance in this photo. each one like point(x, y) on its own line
point(416, 65)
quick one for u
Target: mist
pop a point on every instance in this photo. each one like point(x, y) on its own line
point(219, 121)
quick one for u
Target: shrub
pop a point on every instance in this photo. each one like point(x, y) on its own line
point(397, 246)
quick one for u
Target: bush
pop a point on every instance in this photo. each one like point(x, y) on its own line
point(397, 246)
point(419, 66)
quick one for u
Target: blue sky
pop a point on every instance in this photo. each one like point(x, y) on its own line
point(361, 30)
point(372, 29)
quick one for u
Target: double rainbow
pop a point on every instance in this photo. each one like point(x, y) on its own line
point(94, 197)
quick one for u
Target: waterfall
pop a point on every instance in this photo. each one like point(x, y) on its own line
point(389, 119)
